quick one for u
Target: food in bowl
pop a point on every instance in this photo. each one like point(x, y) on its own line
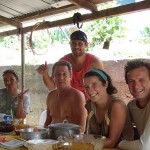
point(76, 145)
point(83, 141)
point(17, 127)
point(30, 133)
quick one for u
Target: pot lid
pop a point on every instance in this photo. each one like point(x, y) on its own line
point(64, 126)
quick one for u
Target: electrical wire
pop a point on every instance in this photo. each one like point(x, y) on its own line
point(30, 38)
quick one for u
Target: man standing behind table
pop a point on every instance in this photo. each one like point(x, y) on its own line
point(65, 102)
point(137, 76)
point(12, 101)
point(80, 60)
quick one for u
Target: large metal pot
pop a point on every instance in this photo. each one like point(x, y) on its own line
point(61, 129)
point(30, 133)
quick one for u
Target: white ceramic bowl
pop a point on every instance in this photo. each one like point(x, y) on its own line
point(42, 144)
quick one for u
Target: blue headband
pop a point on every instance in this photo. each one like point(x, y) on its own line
point(99, 72)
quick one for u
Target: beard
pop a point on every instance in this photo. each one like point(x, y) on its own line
point(78, 52)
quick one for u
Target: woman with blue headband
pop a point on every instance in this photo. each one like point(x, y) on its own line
point(107, 113)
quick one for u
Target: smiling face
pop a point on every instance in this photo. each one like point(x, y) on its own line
point(139, 83)
point(62, 76)
point(10, 81)
point(78, 47)
point(94, 88)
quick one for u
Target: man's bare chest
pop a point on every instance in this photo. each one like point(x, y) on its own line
point(60, 110)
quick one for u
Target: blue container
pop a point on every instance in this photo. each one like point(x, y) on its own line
point(8, 118)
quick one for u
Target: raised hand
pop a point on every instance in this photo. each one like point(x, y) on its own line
point(43, 69)
point(21, 94)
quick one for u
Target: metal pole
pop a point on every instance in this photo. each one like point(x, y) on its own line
point(22, 59)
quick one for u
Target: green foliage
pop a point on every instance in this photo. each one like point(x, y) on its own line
point(148, 53)
point(146, 35)
point(9, 41)
point(146, 32)
point(105, 29)
point(59, 35)
point(40, 39)
point(43, 38)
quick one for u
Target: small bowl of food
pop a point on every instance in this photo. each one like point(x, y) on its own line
point(83, 141)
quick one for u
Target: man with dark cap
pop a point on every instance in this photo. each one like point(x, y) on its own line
point(80, 60)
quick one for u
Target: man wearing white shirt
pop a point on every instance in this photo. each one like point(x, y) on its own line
point(137, 76)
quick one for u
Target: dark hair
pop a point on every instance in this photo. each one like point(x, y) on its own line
point(78, 35)
point(12, 72)
point(103, 77)
point(62, 63)
point(134, 64)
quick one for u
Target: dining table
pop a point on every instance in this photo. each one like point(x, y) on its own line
point(24, 148)
point(12, 135)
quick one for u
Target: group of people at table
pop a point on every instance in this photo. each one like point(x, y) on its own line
point(80, 87)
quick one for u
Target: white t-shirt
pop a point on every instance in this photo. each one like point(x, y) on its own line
point(141, 118)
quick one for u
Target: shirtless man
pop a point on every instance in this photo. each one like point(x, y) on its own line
point(65, 102)
point(80, 60)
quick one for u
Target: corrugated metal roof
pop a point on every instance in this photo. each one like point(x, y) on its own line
point(27, 11)
point(31, 10)
point(15, 8)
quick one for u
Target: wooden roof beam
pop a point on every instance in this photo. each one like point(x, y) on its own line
point(43, 13)
point(85, 4)
point(99, 1)
point(11, 21)
point(46, 13)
